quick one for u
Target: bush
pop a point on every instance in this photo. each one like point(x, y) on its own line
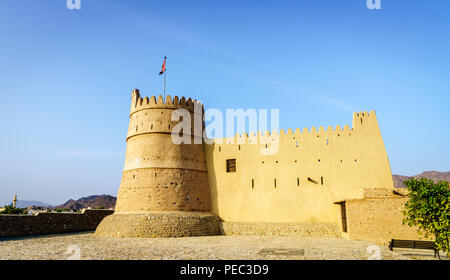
point(9, 210)
point(428, 208)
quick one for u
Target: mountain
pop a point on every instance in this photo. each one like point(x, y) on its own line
point(93, 201)
point(432, 175)
point(28, 203)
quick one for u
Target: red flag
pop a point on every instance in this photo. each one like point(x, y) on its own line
point(163, 69)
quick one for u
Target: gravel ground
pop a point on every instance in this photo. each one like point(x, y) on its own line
point(87, 246)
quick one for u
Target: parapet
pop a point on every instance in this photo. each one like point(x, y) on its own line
point(139, 103)
point(363, 118)
point(360, 120)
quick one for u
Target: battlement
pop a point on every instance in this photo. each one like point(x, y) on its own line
point(363, 118)
point(139, 103)
point(360, 120)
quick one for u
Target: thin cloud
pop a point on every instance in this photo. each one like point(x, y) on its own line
point(338, 103)
point(286, 87)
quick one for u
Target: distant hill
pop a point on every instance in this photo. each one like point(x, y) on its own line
point(28, 203)
point(94, 201)
point(432, 175)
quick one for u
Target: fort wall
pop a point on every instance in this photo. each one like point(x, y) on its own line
point(379, 219)
point(300, 183)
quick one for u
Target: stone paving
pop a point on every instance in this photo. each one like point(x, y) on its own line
point(87, 246)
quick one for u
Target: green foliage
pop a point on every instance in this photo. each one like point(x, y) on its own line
point(428, 208)
point(9, 210)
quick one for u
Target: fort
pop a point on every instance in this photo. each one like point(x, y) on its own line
point(320, 182)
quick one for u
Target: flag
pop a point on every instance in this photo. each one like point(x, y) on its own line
point(163, 69)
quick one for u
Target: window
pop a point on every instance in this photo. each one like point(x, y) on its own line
point(312, 181)
point(231, 165)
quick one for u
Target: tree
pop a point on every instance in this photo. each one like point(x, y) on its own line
point(428, 208)
point(9, 210)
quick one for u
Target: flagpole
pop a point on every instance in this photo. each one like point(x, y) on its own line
point(165, 85)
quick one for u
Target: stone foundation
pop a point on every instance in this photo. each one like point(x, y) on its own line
point(281, 229)
point(159, 224)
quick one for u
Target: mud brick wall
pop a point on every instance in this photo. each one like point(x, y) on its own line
point(51, 223)
point(378, 219)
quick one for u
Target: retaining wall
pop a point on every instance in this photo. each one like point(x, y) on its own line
point(51, 223)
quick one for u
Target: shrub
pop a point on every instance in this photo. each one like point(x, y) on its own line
point(428, 208)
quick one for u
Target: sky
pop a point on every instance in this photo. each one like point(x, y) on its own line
point(66, 77)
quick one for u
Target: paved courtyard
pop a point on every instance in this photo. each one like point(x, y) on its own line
point(87, 246)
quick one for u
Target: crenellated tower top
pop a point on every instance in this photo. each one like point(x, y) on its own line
point(139, 103)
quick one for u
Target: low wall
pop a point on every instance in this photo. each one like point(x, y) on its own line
point(51, 223)
point(281, 229)
point(378, 219)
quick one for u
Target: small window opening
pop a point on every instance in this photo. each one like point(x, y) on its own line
point(298, 182)
point(275, 183)
point(321, 181)
point(231, 165)
point(253, 183)
point(311, 180)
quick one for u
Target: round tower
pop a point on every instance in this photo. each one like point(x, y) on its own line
point(164, 190)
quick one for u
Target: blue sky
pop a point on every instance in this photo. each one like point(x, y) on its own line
point(66, 77)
